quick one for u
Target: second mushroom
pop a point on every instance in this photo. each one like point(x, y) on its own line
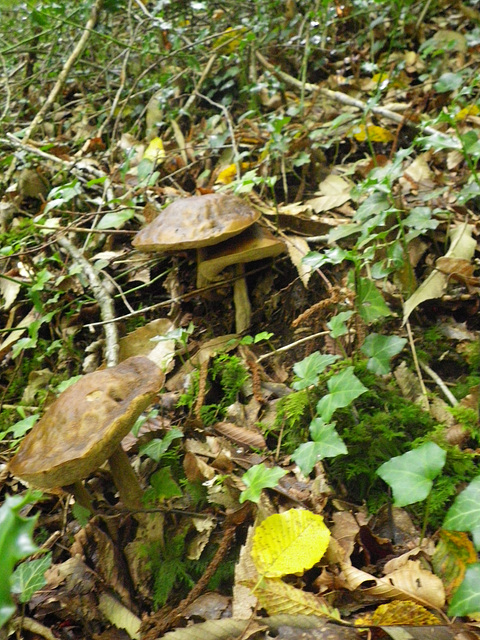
point(221, 227)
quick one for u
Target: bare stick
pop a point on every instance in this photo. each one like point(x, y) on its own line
point(60, 81)
point(65, 71)
point(436, 378)
point(338, 96)
point(417, 366)
point(103, 298)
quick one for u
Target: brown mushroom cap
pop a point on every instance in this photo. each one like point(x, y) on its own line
point(199, 221)
point(86, 423)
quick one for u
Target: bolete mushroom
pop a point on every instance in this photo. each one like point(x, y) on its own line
point(84, 427)
point(256, 243)
point(203, 221)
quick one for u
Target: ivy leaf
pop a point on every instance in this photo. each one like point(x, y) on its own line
point(163, 485)
point(337, 324)
point(381, 350)
point(411, 475)
point(326, 444)
point(308, 369)
point(466, 598)
point(257, 478)
point(29, 577)
point(371, 305)
point(344, 388)
point(158, 446)
point(464, 514)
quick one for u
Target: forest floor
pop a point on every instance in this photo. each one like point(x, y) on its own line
point(343, 386)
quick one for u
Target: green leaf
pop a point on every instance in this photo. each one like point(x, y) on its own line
point(158, 446)
point(337, 324)
point(381, 350)
point(115, 219)
point(257, 478)
point(411, 475)
point(464, 514)
point(344, 388)
point(449, 82)
point(29, 577)
point(164, 486)
point(308, 369)
point(327, 444)
point(16, 543)
point(466, 598)
point(371, 306)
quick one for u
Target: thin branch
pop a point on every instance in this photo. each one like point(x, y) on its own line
point(292, 345)
point(104, 299)
point(417, 365)
point(436, 378)
point(343, 98)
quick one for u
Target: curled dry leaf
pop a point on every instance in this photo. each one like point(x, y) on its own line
point(411, 582)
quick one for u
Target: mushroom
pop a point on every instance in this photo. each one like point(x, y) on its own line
point(203, 221)
point(84, 427)
point(256, 243)
point(198, 221)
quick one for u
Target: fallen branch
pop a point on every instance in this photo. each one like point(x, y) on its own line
point(103, 298)
point(338, 96)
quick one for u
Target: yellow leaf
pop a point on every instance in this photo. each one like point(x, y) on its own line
point(398, 613)
point(228, 175)
point(289, 542)
point(277, 597)
point(229, 41)
point(155, 151)
point(471, 110)
point(375, 134)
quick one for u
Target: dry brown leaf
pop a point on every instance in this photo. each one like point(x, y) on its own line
point(244, 437)
point(411, 582)
point(462, 246)
point(297, 250)
point(334, 191)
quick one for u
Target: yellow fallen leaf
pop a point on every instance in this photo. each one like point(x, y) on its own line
point(375, 134)
point(471, 110)
point(289, 542)
point(155, 151)
point(228, 175)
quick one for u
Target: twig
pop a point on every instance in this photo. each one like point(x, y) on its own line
point(338, 96)
point(102, 296)
point(417, 365)
point(292, 345)
point(236, 156)
point(52, 96)
point(436, 378)
point(29, 624)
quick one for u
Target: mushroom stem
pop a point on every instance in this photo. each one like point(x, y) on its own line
point(125, 479)
point(81, 494)
point(243, 309)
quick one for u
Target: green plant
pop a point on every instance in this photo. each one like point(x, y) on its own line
point(226, 376)
point(16, 543)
